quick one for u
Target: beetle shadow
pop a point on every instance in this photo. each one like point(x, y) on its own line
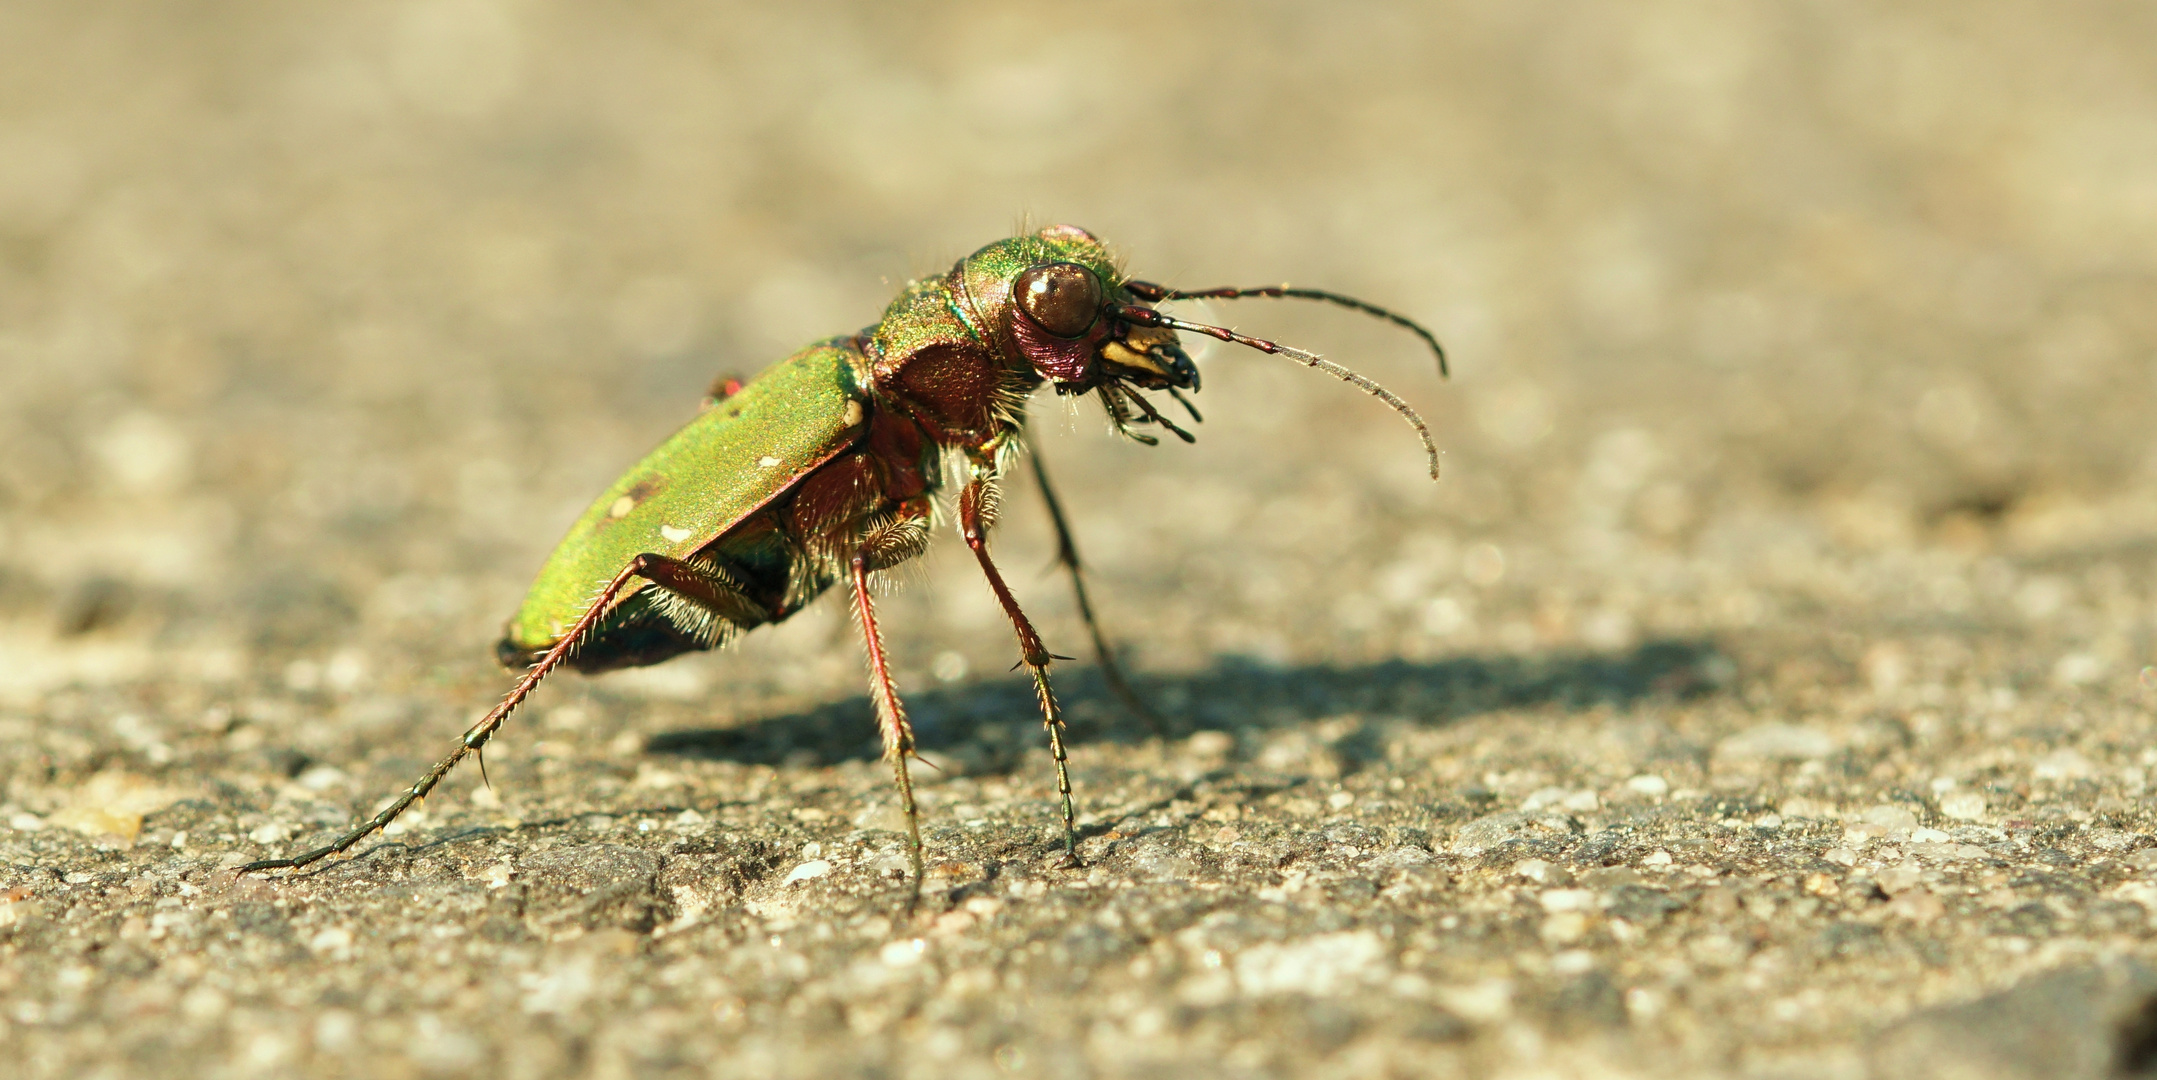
point(1234, 694)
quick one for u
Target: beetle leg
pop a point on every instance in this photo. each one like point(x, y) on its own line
point(902, 536)
point(1067, 554)
point(476, 736)
point(977, 505)
point(707, 592)
point(707, 588)
point(890, 712)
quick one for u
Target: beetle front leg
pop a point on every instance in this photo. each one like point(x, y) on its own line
point(977, 505)
point(1067, 554)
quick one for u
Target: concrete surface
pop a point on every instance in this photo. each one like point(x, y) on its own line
point(1765, 692)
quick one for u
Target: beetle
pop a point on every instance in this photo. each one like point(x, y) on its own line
point(825, 470)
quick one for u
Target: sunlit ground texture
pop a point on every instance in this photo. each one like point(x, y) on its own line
point(1765, 691)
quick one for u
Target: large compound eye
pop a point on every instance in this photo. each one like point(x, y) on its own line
point(1063, 298)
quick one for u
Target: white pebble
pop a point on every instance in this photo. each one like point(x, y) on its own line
point(814, 868)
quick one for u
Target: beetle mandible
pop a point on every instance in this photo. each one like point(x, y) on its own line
point(824, 471)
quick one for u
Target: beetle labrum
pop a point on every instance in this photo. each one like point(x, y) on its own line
point(824, 471)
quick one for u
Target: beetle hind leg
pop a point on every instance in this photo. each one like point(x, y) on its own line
point(707, 589)
point(475, 737)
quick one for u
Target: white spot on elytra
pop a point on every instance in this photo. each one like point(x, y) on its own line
point(853, 412)
point(674, 535)
point(766, 462)
point(621, 507)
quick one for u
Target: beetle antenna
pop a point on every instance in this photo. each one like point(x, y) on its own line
point(1150, 292)
point(1149, 317)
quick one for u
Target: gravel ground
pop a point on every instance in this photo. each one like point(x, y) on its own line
point(1766, 691)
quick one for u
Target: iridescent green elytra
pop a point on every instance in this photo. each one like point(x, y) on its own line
point(723, 466)
point(826, 469)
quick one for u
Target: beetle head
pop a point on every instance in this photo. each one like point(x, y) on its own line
point(1051, 300)
point(1055, 301)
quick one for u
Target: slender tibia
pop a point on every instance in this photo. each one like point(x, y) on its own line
point(975, 504)
point(1067, 554)
point(890, 712)
point(477, 735)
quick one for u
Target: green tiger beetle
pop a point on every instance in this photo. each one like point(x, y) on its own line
point(825, 469)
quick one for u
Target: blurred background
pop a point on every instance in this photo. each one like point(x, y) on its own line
point(319, 322)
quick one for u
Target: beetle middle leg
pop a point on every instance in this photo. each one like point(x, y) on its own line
point(977, 507)
point(882, 545)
